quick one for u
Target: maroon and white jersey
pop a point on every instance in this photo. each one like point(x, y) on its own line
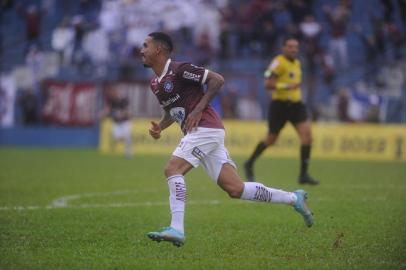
point(179, 89)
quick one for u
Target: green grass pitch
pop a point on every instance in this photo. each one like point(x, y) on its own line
point(77, 209)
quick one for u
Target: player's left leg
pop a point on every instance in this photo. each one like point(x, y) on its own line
point(222, 169)
point(304, 131)
point(231, 182)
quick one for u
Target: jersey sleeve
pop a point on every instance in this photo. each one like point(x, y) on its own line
point(275, 67)
point(192, 74)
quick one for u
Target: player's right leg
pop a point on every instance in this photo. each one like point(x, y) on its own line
point(190, 152)
point(175, 169)
point(168, 234)
point(230, 182)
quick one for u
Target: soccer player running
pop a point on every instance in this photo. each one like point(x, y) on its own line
point(178, 87)
point(283, 78)
point(117, 107)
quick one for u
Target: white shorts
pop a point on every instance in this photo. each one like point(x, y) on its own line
point(205, 146)
point(122, 130)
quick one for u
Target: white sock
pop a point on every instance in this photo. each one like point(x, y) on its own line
point(128, 147)
point(258, 192)
point(177, 201)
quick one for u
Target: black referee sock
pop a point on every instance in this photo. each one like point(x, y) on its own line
point(257, 152)
point(304, 158)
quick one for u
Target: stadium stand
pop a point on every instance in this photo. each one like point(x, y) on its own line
point(353, 52)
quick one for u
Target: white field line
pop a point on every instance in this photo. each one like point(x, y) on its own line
point(64, 201)
point(107, 205)
point(157, 203)
point(365, 187)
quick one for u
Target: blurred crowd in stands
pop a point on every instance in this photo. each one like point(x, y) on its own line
point(352, 52)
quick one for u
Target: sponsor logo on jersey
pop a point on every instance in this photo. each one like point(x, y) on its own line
point(178, 114)
point(168, 87)
point(170, 100)
point(191, 76)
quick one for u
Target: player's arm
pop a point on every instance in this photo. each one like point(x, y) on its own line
point(166, 120)
point(156, 128)
point(214, 83)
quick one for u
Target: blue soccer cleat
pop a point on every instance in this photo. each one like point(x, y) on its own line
point(168, 234)
point(301, 207)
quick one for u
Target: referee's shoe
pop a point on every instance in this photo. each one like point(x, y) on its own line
point(307, 179)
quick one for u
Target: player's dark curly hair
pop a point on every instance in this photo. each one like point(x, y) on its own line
point(164, 39)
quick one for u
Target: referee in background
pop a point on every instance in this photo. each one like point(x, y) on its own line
point(283, 78)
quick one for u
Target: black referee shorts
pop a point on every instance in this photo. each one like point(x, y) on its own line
point(281, 112)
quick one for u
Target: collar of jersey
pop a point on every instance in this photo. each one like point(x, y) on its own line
point(165, 70)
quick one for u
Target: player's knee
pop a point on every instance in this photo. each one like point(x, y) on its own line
point(170, 170)
point(235, 192)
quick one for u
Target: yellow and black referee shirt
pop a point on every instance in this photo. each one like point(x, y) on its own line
point(287, 72)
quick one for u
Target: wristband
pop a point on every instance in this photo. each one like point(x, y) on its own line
point(267, 73)
point(281, 86)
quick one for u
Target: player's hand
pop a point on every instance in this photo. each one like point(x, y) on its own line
point(155, 130)
point(192, 121)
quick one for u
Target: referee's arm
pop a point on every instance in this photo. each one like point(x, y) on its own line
point(271, 82)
